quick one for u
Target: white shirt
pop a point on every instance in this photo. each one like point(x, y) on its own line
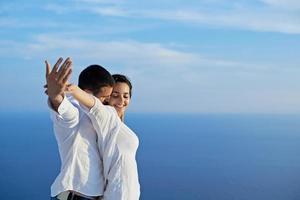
point(81, 166)
point(118, 145)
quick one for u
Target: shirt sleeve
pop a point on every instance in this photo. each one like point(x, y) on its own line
point(104, 119)
point(67, 115)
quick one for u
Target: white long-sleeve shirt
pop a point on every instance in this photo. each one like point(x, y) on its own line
point(81, 165)
point(118, 145)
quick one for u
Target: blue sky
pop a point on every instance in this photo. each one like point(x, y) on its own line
point(210, 56)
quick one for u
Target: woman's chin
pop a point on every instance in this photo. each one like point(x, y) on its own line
point(120, 111)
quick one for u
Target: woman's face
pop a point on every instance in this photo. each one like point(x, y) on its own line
point(120, 98)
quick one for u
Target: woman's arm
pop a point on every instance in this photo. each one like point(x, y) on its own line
point(104, 118)
point(81, 96)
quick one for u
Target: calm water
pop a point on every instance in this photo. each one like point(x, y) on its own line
point(209, 157)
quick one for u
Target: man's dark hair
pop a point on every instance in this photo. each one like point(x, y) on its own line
point(94, 77)
point(119, 78)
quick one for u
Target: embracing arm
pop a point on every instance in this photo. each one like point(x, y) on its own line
point(104, 118)
point(81, 96)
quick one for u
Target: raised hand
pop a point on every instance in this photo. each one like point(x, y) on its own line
point(57, 80)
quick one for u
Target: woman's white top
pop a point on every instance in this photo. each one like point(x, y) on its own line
point(117, 146)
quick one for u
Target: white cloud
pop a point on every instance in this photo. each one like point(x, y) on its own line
point(128, 53)
point(286, 4)
point(240, 18)
point(109, 11)
point(270, 18)
point(132, 55)
point(167, 79)
point(237, 17)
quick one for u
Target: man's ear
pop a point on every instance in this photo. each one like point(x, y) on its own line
point(88, 91)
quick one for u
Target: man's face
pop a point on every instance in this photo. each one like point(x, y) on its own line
point(104, 94)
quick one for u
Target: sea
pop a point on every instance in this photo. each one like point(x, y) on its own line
point(180, 156)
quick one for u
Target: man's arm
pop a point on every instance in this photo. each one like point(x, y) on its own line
point(56, 81)
point(62, 111)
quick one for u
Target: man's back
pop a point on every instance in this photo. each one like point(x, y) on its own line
point(81, 166)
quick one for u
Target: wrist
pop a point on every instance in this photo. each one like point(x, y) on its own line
point(71, 89)
point(57, 98)
point(56, 101)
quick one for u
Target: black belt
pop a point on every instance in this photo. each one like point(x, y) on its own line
point(74, 196)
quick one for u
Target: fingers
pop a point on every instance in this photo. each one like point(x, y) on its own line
point(54, 70)
point(59, 73)
point(48, 68)
point(65, 72)
point(64, 65)
point(67, 76)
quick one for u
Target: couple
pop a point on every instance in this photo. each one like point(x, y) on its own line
point(96, 148)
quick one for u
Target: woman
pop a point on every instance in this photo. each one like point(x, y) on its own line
point(121, 94)
point(117, 143)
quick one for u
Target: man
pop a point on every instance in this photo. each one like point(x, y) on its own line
point(81, 174)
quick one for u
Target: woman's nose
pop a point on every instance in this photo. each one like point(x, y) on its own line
point(121, 99)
